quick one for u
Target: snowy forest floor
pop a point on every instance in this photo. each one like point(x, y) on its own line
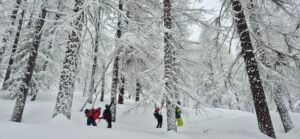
point(209, 124)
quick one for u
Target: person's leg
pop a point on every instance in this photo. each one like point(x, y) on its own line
point(109, 123)
point(157, 126)
point(160, 122)
point(180, 122)
point(93, 123)
point(88, 122)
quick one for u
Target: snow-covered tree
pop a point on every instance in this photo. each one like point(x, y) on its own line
point(169, 67)
point(22, 95)
point(278, 98)
point(96, 22)
point(67, 78)
point(9, 32)
point(260, 103)
point(14, 49)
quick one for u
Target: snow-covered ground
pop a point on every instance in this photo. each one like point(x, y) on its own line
point(210, 124)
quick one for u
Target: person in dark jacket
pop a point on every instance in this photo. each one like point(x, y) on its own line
point(158, 116)
point(107, 114)
point(178, 116)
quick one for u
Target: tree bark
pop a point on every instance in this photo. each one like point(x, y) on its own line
point(115, 75)
point(67, 79)
point(114, 87)
point(21, 97)
point(138, 91)
point(121, 91)
point(169, 66)
point(34, 90)
point(282, 110)
point(102, 84)
point(13, 51)
point(261, 107)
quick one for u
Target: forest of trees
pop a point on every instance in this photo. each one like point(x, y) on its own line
point(146, 50)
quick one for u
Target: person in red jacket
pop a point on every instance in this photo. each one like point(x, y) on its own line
point(92, 115)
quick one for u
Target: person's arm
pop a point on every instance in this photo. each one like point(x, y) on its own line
point(162, 104)
point(112, 101)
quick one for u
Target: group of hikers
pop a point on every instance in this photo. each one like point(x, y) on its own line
point(159, 117)
point(94, 114)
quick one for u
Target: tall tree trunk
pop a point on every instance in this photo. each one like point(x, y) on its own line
point(121, 91)
point(126, 26)
point(115, 76)
point(9, 31)
point(97, 25)
point(114, 87)
point(103, 85)
point(13, 51)
point(67, 79)
point(21, 97)
point(261, 107)
point(282, 109)
point(138, 90)
point(169, 76)
point(92, 89)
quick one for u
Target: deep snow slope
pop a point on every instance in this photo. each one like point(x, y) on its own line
point(210, 124)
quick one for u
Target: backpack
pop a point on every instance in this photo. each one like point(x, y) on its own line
point(96, 113)
point(178, 113)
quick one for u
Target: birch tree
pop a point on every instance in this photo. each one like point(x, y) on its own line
point(115, 72)
point(96, 23)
